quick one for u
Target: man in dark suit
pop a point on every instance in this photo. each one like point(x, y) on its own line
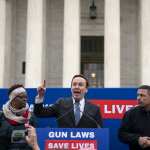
point(73, 112)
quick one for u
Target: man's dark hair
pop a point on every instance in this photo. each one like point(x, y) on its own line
point(145, 87)
point(13, 87)
point(81, 76)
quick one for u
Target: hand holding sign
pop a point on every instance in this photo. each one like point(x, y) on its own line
point(41, 89)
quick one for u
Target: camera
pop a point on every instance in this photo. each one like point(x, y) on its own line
point(18, 136)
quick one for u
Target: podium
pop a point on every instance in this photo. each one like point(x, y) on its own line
point(73, 138)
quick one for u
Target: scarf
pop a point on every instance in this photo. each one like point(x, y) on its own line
point(14, 116)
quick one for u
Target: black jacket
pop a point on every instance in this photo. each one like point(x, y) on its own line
point(135, 123)
point(63, 110)
point(6, 130)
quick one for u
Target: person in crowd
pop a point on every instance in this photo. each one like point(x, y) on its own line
point(15, 114)
point(135, 127)
point(31, 138)
point(73, 112)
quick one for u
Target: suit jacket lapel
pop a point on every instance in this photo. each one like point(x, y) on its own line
point(71, 114)
point(86, 107)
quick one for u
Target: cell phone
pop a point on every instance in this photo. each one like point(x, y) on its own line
point(18, 136)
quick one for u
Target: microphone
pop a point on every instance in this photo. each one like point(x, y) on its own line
point(83, 113)
point(92, 119)
point(66, 113)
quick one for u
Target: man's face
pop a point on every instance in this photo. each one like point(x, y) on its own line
point(78, 88)
point(20, 101)
point(143, 98)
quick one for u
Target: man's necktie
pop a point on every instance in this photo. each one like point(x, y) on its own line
point(77, 112)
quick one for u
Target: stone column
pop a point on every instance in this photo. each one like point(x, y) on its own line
point(2, 40)
point(71, 44)
point(145, 41)
point(5, 43)
point(35, 66)
point(112, 44)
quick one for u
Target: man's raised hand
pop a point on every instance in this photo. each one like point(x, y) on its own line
point(41, 89)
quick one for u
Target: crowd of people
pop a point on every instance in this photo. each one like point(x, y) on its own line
point(72, 112)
